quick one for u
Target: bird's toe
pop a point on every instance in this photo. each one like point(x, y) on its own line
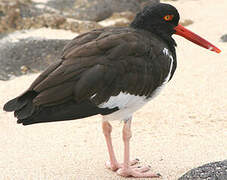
point(139, 172)
point(114, 166)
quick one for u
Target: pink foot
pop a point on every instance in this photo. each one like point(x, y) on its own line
point(115, 166)
point(137, 172)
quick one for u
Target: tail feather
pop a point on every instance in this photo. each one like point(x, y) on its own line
point(12, 105)
point(69, 110)
point(20, 101)
point(22, 105)
point(27, 113)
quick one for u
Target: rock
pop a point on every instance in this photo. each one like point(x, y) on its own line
point(130, 5)
point(210, 171)
point(21, 14)
point(26, 14)
point(92, 10)
point(144, 3)
point(124, 5)
point(28, 56)
point(96, 10)
point(13, 12)
point(224, 38)
point(118, 19)
point(23, 53)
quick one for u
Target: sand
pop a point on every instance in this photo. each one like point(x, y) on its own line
point(42, 33)
point(182, 128)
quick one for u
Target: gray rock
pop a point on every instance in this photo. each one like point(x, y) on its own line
point(210, 171)
point(92, 10)
point(28, 56)
point(124, 5)
point(224, 38)
point(96, 10)
point(27, 9)
point(27, 14)
point(129, 5)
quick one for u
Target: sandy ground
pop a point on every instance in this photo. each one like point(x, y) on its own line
point(184, 127)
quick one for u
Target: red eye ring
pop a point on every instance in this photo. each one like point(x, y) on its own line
point(168, 17)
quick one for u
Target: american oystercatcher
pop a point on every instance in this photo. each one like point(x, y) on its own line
point(112, 72)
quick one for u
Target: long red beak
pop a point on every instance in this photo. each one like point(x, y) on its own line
point(182, 31)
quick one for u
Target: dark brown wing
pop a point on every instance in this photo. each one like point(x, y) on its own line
point(105, 63)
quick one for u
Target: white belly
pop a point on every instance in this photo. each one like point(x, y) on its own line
point(127, 104)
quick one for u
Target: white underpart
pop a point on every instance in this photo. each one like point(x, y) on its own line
point(121, 101)
point(128, 103)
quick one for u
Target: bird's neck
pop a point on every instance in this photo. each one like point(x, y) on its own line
point(165, 36)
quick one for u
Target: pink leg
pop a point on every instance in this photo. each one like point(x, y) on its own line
point(107, 128)
point(126, 169)
point(112, 164)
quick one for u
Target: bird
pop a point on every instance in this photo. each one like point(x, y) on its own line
point(112, 71)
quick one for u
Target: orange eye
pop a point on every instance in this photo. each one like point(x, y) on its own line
point(168, 17)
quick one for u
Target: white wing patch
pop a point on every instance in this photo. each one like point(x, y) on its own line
point(166, 52)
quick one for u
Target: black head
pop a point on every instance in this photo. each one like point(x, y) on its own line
point(162, 20)
point(159, 18)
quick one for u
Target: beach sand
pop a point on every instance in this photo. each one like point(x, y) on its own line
point(184, 127)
